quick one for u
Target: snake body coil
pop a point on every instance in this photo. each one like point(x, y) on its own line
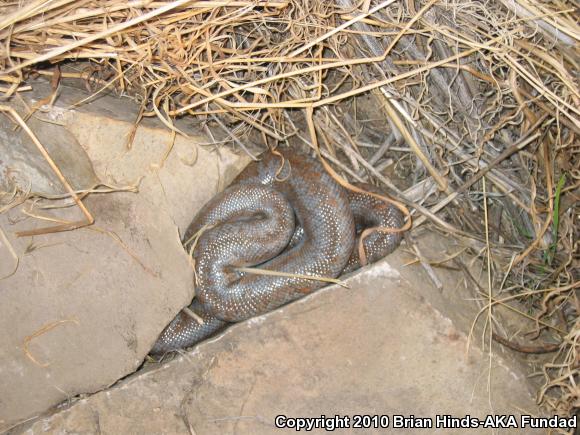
point(281, 214)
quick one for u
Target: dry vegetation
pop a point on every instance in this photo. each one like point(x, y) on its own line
point(481, 101)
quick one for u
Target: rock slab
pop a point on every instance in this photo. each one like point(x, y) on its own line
point(81, 309)
point(374, 348)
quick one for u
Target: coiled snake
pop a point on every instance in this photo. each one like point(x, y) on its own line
point(282, 214)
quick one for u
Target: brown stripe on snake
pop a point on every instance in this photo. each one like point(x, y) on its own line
point(293, 218)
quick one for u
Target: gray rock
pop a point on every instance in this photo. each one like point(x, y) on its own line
point(84, 307)
point(374, 348)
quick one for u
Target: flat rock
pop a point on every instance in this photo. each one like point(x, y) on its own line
point(81, 309)
point(374, 348)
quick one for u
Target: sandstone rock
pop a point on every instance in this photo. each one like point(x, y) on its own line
point(85, 306)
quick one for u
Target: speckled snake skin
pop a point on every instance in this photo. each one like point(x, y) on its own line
point(283, 215)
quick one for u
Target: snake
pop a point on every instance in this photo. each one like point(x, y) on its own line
point(283, 213)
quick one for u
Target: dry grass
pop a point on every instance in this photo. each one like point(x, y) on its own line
point(481, 103)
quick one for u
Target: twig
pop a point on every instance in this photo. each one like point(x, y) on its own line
point(544, 348)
